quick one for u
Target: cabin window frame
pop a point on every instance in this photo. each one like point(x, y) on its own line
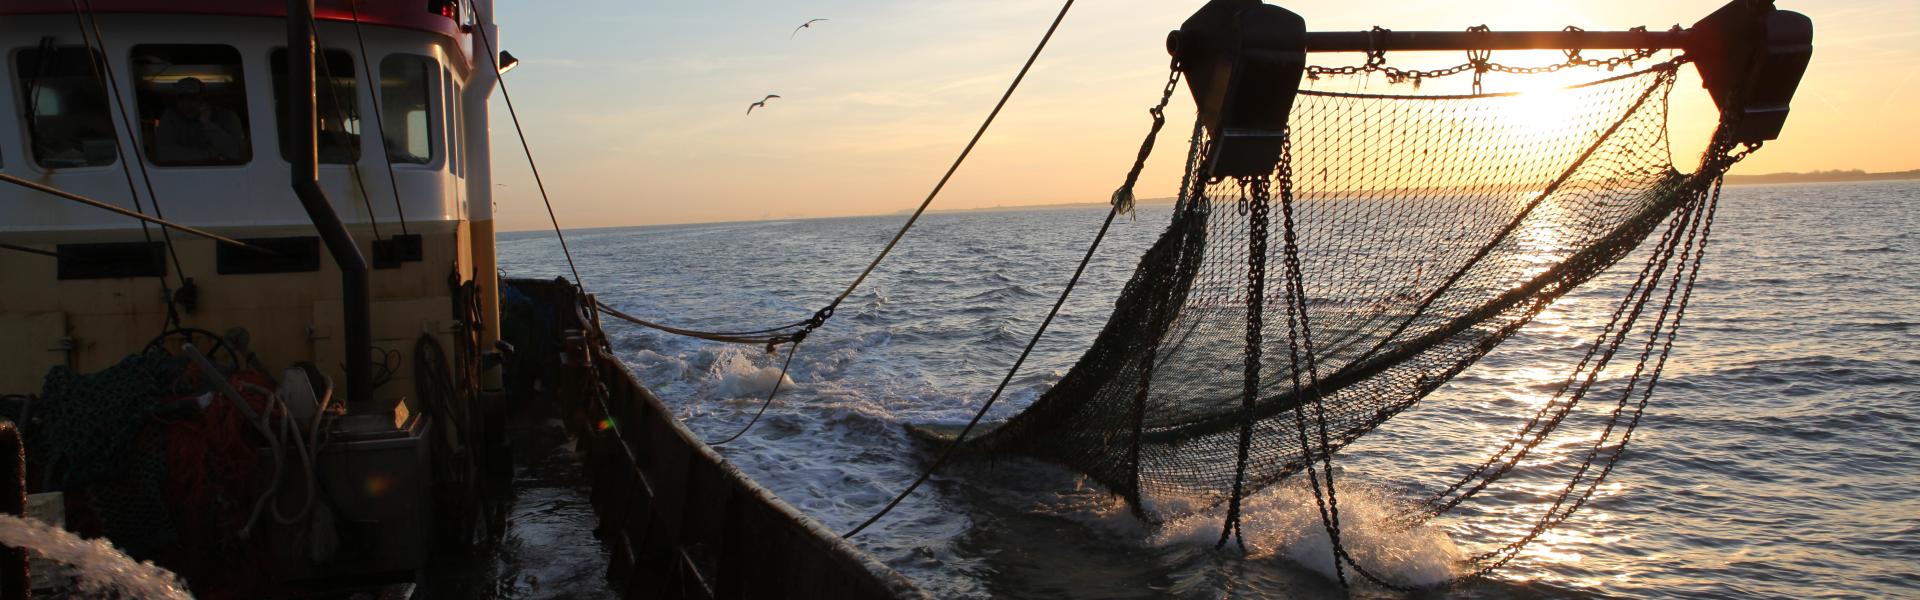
point(148, 141)
point(354, 123)
point(30, 154)
point(450, 114)
point(460, 124)
point(435, 106)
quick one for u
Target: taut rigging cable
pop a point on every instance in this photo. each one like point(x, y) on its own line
point(493, 61)
point(324, 66)
point(796, 332)
point(912, 219)
point(379, 117)
point(1121, 202)
point(102, 70)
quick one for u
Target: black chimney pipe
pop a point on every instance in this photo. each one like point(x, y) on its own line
point(356, 299)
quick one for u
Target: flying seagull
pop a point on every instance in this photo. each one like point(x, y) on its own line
point(761, 104)
point(809, 23)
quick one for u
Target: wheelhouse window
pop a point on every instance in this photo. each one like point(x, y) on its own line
point(406, 108)
point(460, 125)
point(452, 114)
point(193, 104)
point(337, 106)
point(65, 109)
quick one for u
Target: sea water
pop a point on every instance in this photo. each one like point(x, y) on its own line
point(1780, 456)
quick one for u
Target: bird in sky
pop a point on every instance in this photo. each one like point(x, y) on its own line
point(809, 23)
point(761, 104)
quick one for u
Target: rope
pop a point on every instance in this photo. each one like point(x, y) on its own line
point(747, 337)
point(29, 250)
point(379, 123)
point(165, 224)
point(958, 159)
point(84, 17)
point(825, 313)
point(791, 350)
point(949, 452)
point(1112, 211)
point(493, 61)
point(820, 317)
point(324, 66)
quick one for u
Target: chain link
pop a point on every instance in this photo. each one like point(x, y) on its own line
point(1687, 233)
point(1479, 62)
point(1123, 197)
point(1257, 199)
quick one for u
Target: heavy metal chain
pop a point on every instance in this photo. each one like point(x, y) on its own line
point(1301, 350)
point(1595, 360)
point(1689, 220)
point(1548, 419)
point(1123, 197)
point(1258, 201)
point(1123, 202)
point(1695, 221)
point(1479, 62)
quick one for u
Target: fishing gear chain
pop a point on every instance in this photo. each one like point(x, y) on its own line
point(1300, 348)
point(1479, 62)
point(1691, 222)
point(1257, 201)
point(1687, 235)
point(1440, 502)
point(821, 316)
point(1123, 197)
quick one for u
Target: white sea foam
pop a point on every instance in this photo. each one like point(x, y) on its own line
point(102, 570)
point(734, 375)
point(1284, 522)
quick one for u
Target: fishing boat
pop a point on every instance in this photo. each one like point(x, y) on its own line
point(256, 331)
point(189, 193)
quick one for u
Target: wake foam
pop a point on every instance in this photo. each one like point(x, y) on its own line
point(1284, 522)
point(735, 375)
point(102, 569)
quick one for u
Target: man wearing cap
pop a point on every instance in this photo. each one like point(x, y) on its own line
point(193, 131)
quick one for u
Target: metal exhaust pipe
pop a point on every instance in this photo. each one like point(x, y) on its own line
point(355, 295)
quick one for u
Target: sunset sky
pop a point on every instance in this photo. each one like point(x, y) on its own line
point(635, 109)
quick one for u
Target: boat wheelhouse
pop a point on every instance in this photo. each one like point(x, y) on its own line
point(313, 222)
point(402, 118)
point(182, 112)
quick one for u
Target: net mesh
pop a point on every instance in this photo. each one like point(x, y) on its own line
point(1429, 228)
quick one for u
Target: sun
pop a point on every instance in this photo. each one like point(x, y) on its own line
point(1542, 109)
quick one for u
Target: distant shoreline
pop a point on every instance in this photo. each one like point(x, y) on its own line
point(1056, 205)
point(1834, 176)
